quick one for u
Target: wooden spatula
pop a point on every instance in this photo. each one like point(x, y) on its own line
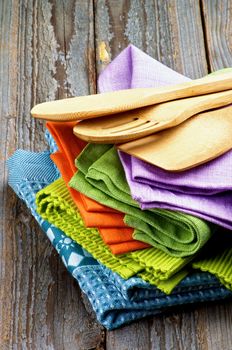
point(194, 142)
point(144, 121)
point(84, 107)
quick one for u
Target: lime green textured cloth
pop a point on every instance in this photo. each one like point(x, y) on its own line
point(219, 265)
point(55, 205)
point(216, 258)
point(101, 177)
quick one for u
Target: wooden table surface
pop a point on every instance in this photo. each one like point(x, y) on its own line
point(53, 49)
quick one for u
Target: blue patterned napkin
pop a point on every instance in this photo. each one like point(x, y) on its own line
point(115, 301)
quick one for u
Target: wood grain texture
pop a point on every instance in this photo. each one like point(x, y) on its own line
point(169, 31)
point(218, 32)
point(53, 49)
point(47, 52)
point(133, 337)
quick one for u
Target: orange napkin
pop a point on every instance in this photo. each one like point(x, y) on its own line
point(110, 223)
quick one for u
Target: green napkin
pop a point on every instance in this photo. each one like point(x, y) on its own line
point(55, 205)
point(101, 177)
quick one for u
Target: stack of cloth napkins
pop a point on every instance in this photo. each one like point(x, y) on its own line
point(138, 239)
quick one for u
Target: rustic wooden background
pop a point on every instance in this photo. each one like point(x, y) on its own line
point(53, 49)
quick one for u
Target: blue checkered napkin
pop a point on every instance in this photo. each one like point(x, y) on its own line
point(136, 289)
point(114, 310)
point(116, 301)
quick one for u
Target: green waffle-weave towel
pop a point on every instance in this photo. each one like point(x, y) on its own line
point(55, 205)
point(101, 177)
point(216, 258)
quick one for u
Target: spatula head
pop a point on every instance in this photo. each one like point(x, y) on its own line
point(194, 142)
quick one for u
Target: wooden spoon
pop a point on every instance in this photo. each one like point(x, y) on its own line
point(194, 142)
point(144, 121)
point(84, 107)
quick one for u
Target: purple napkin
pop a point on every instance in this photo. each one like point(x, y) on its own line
point(200, 191)
point(216, 208)
point(207, 179)
point(132, 68)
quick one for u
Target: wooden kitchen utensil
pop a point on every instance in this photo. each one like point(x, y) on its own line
point(194, 142)
point(140, 122)
point(98, 105)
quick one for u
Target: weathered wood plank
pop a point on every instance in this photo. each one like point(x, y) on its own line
point(132, 337)
point(218, 30)
point(215, 320)
point(214, 325)
point(176, 330)
point(46, 52)
point(169, 31)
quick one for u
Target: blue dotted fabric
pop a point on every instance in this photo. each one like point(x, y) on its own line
point(115, 301)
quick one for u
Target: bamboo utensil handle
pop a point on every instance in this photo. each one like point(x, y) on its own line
point(93, 106)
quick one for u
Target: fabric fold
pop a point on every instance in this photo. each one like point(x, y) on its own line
point(100, 176)
point(109, 221)
point(55, 205)
point(217, 258)
point(213, 208)
point(219, 265)
point(206, 179)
